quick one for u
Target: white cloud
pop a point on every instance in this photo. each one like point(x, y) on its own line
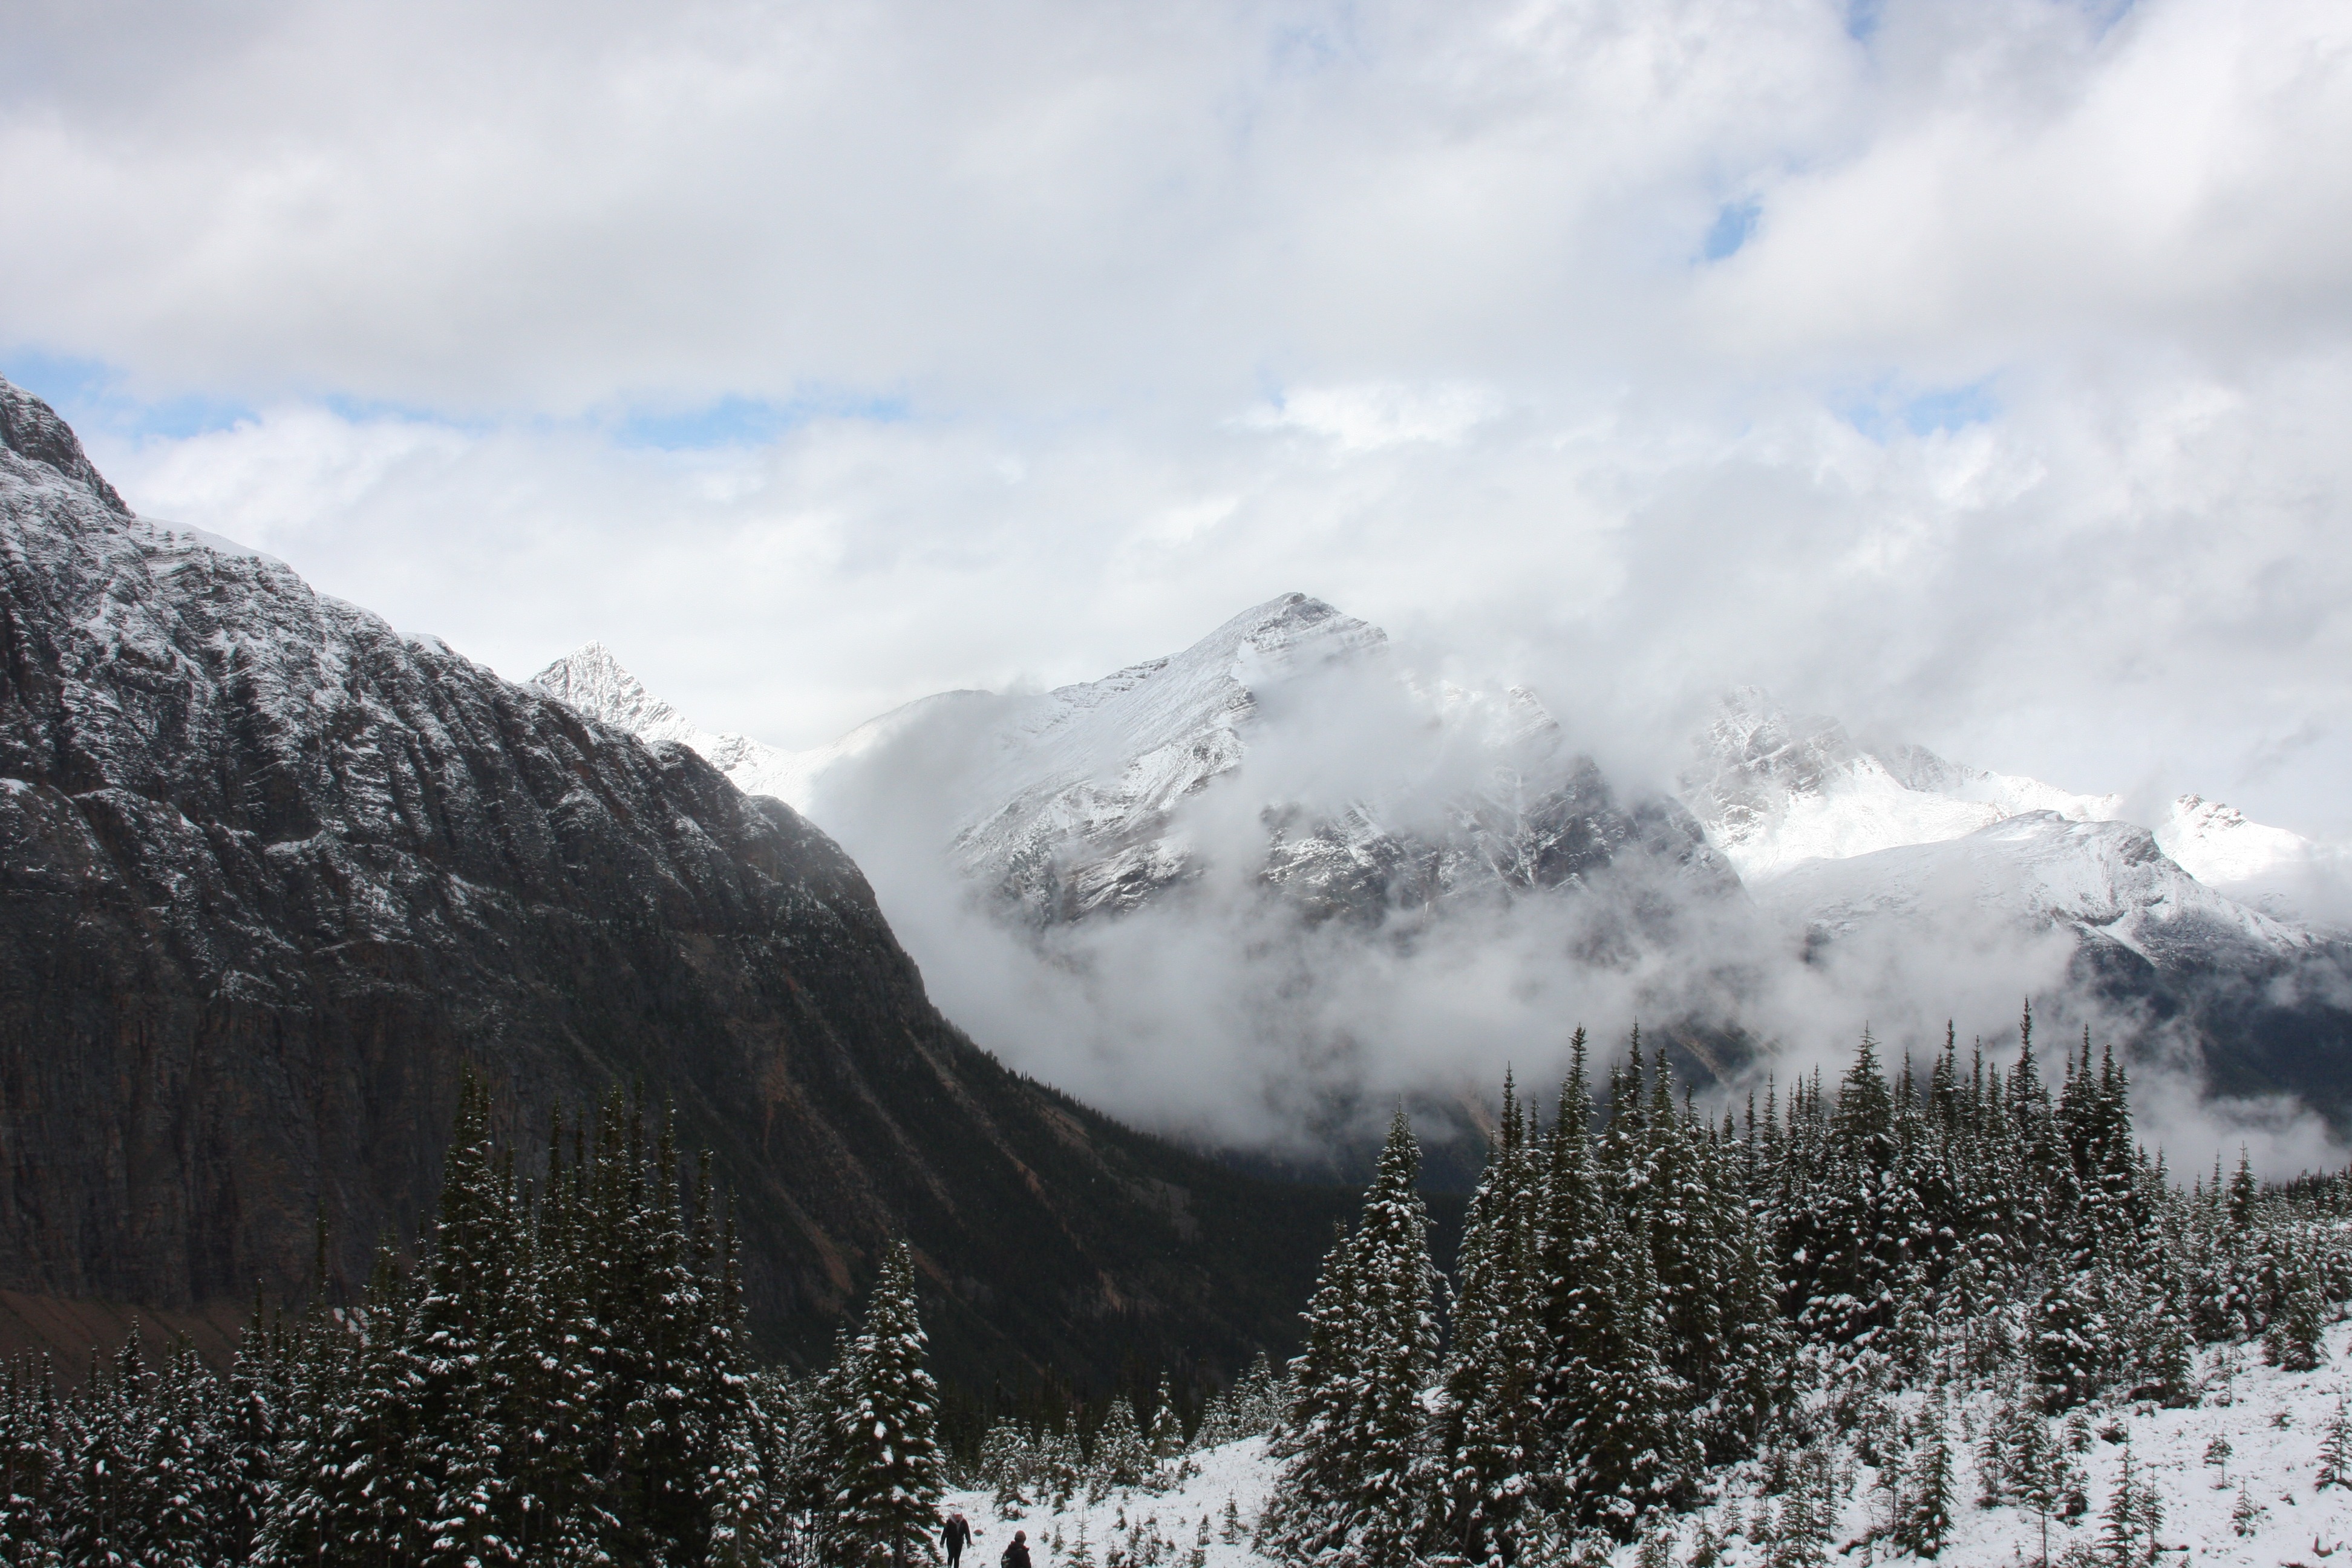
point(2013, 423)
point(1364, 418)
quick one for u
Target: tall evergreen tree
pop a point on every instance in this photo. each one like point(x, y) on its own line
point(886, 1494)
point(1491, 1447)
point(1347, 1495)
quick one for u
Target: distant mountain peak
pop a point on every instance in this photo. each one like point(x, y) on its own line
point(593, 679)
point(1775, 789)
point(2280, 872)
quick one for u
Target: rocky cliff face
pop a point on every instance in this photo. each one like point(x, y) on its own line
point(270, 873)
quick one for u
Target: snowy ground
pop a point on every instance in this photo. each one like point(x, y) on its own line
point(2272, 1419)
point(1238, 1473)
point(2273, 1422)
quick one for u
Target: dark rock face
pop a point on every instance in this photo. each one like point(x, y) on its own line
point(270, 874)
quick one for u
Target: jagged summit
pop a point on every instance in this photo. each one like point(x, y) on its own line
point(31, 431)
point(1072, 811)
point(592, 680)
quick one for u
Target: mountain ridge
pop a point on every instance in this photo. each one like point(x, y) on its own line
point(270, 874)
point(1163, 786)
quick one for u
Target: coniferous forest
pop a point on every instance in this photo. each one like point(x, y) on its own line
point(1645, 1296)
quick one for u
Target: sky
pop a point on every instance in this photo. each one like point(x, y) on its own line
point(1972, 370)
point(1977, 370)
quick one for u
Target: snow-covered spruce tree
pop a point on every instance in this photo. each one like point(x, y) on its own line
point(1355, 1428)
point(2293, 1339)
point(2243, 1190)
point(1257, 1398)
point(887, 1490)
point(32, 1452)
point(1008, 1460)
point(1491, 1447)
point(1800, 1534)
point(567, 1381)
point(1926, 1515)
point(376, 1497)
point(1165, 1438)
point(2040, 1474)
point(2162, 1349)
point(815, 1444)
point(2128, 1523)
point(460, 1364)
point(2069, 1339)
point(251, 1428)
point(1630, 1448)
point(2335, 1449)
point(1120, 1458)
point(183, 1463)
point(1569, 1267)
point(743, 1414)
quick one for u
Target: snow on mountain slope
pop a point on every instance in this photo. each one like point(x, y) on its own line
point(1775, 790)
point(2034, 872)
point(1290, 746)
point(1103, 765)
point(2283, 874)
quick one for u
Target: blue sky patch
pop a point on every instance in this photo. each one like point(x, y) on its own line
point(1885, 409)
point(1950, 408)
point(734, 421)
point(1734, 222)
point(88, 394)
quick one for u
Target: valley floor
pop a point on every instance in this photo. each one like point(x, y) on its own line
point(2272, 1420)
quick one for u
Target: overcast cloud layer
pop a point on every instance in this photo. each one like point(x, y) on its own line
point(1978, 372)
point(1976, 367)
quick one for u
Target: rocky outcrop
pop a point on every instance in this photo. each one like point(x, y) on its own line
point(271, 874)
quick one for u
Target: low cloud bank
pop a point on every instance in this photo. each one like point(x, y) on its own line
point(1219, 1013)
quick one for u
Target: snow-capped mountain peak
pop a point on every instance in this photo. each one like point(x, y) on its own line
point(1775, 790)
point(1100, 758)
point(2280, 872)
point(1364, 789)
point(593, 681)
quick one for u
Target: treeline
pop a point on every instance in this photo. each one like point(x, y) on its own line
point(562, 1380)
point(1647, 1295)
point(1644, 1295)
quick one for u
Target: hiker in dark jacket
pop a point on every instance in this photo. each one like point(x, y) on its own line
point(955, 1535)
point(1017, 1554)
